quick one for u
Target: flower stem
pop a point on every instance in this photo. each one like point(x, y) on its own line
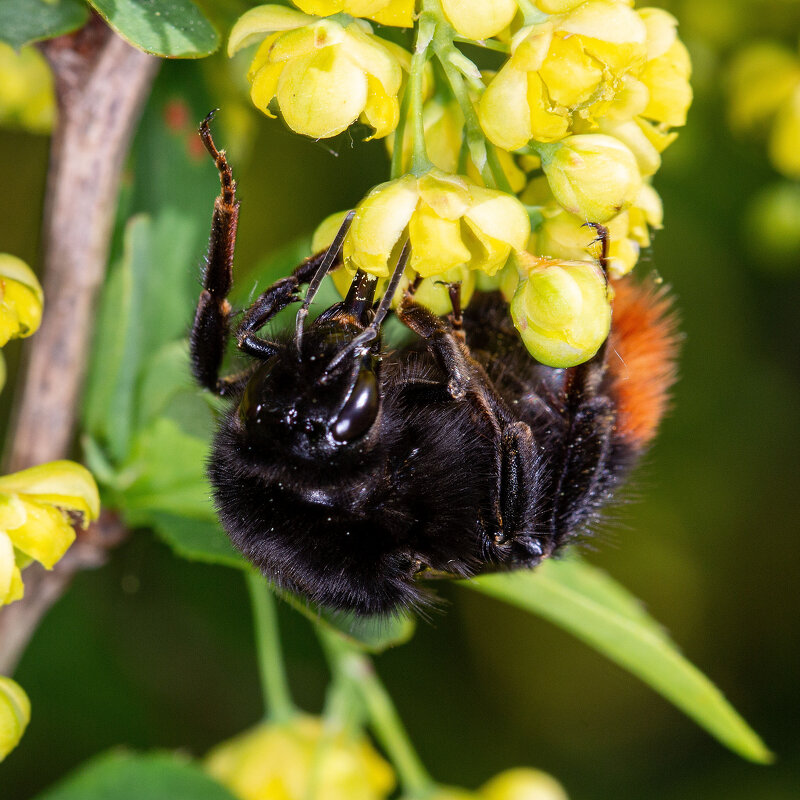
point(420, 163)
point(348, 663)
point(530, 14)
point(275, 688)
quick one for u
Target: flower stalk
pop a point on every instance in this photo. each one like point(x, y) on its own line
point(351, 665)
point(274, 685)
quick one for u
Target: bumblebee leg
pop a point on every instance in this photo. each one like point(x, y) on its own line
point(210, 330)
point(281, 294)
point(447, 349)
point(466, 381)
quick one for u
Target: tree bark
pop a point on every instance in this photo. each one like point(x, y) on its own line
point(101, 83)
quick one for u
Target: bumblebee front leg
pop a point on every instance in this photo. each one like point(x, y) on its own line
point(210, 330)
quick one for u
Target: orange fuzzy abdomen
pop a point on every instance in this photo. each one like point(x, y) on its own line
point(641, 358)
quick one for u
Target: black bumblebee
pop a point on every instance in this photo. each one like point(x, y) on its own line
point(347, 472)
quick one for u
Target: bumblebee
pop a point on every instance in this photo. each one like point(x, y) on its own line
point(348, 472)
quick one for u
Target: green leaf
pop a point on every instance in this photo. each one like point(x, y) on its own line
point(582, 600)
point(373, 634)
point(121, 775)
point(167, 474)
point(169, 28)
point(25, 21)
point(108, 406)
point(198, 540)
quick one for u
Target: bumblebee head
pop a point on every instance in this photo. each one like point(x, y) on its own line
point(321, 391)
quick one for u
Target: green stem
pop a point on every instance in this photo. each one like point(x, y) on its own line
point(398, 151)
point(420, 163)
point(485, 44)
point(530, 14)
point(352, 665)
point(275, 688)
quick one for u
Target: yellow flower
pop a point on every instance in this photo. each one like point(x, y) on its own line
point(593, 176)
point(399, 13)
point(26, 89)
point(561, 71)
point(451, 223)
point(564, 236)
point(784, 142)
point(15, 714)
point(324, 75)
point(562, 310)
point(762, 78)
point(443, 123)
point(430, 292)
point(34, 520)
point(283, 761)
point(21, 299)
point(479, 19)
point(523, 784)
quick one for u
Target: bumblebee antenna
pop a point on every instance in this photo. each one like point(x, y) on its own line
point(322, 271)
point(371, 331)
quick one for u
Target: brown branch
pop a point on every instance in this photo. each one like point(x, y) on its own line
point(101, 83)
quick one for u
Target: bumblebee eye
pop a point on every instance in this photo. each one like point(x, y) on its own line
point(360, 410)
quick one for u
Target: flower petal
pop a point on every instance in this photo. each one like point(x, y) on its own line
point(65, 484)
point(382, 110)
point(321, 94)
point(368, 53)
point(503, 110)
point(45, 535)
point(379, 222)
point(261, 20)
point(479, 19)
point(264, 87)
point(436, 244)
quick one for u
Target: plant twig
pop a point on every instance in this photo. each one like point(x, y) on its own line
point(101, 83)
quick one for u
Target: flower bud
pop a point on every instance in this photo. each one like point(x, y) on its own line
point(562, 310)
point(15, 714)
point(593, 176)
point(281, 760)
point(21, 299)
point(523, 784)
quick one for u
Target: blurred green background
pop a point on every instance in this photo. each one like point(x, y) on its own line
point(154, 651)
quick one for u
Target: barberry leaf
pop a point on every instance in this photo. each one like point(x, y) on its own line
point(121, 775)
point(197, 540)
point(26, 21)
point(584, 601)
point(168, 28)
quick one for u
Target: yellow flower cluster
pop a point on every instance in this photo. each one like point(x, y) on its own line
point(569, 130)
point(26, 89)
point(765, 95)
point(285, 761)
